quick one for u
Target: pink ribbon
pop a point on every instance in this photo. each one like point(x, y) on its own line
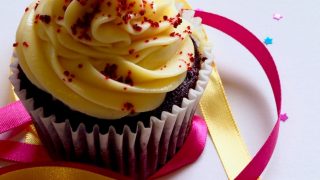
point(22, 152)
point(14, 115)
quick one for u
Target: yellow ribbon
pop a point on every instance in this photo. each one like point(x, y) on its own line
point(222, 127)
point(31, 136)
point(52, 173)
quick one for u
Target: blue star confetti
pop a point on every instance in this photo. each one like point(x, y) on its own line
point(268, 41)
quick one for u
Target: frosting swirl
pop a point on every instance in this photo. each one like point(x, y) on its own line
point(105, 58)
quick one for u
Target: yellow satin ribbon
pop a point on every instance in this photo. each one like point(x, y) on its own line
point(222, 128)
point(31, 136)
point(52, 173)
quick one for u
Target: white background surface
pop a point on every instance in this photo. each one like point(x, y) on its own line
point(296, 50)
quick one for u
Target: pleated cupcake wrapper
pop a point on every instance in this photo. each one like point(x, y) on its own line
point(137, 154)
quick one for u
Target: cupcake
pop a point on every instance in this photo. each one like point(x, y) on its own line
point(111, 82)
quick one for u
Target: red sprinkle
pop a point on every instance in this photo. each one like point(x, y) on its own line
point(128, 81)
point(131, 51)
point(137, 27)
point(110, 71)
point(165, 18)
point(15, 44)
point(128, 107)
point(152, 23)
point(27, 9)
point(66, 73)
point(25, 44)
point(126, 18)
point(191, 58)
point(142, 12)
point(45, 18)
point(177, 23)
point(80, 66)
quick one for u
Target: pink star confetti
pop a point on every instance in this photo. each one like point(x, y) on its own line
point(277, 16)
point(198, 9)
point(284, 117)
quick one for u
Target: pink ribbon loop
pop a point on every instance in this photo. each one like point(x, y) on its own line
point(255, 168)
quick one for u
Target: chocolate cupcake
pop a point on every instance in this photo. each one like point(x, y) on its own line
point(109, 82)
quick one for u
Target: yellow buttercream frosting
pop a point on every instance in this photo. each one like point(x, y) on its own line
point(105, 58)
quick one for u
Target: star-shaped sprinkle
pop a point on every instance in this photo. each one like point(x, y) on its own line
point(277, 16)
point(268, 41)
point(284, 117)
point(198, 9)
